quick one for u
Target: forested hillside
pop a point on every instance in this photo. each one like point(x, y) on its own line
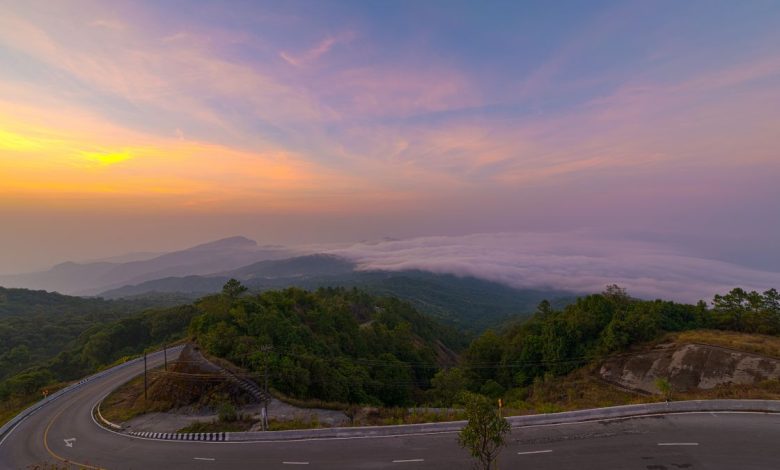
point(347, 345)
point(332, 344)
point(555, 342)
point(37, 325)
point(99, 345)
point(467, 303)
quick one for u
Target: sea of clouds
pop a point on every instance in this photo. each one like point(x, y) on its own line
point(573, 261)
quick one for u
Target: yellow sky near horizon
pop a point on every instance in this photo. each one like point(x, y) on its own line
point(86, 156)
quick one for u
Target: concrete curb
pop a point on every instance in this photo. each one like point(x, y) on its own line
point(569, 417)
point(183, 436)
point(104, 420)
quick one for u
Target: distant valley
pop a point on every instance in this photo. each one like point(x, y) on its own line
point(466, 302)
point(89, 279)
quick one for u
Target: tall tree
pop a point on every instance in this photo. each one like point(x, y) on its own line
point(233, 289)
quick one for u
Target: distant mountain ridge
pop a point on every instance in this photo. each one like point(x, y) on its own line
point(95, 277)
point(263, 274)
point(466, 302)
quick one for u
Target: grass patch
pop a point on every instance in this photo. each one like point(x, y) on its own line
point(240, 425)
point(299, 422)
point(582, 389)
point(578, 390)
point(398, 416)
point(765, 390)
point(127, 401)
point(309, 403)
point(16, 404)
point(754, 343)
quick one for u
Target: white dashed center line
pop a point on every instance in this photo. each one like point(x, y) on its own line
point(408, 460)
point(535, 452)
point(295, 463)
point(209, 459)
point(678, 443)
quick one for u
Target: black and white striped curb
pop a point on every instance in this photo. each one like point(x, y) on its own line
point(183, 436)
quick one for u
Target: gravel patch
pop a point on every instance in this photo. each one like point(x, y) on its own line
point(172, 421)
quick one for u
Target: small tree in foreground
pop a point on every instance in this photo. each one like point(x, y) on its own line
point(486, 431)
point(665, 387)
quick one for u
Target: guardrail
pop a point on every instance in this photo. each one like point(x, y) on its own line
point(569, 417)
point(16, 420)
point(597, 414)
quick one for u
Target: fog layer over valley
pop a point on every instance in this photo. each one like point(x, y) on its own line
point(571, 261)
point(561, 261)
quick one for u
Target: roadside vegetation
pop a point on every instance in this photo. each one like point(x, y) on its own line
point(766, 345)
point(380, 361)
point(96, 347)
point(333, 344)
point(554, 343)
point(485, 432)
point(37, 326)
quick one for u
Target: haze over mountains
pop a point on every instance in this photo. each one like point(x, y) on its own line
point(560, 263)
point(95, 277)
point(463, 300)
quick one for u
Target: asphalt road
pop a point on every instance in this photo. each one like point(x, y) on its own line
point(683, 441)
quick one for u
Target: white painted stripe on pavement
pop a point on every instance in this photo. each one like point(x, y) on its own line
point(210, 459)
point(295, 463)
point(535, 452)
point(678, 443)
point(408, 460)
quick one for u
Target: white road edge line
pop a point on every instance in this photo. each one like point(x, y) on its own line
point(11, 431)
point(295, 463)
point(678, 443)
point(535, 452)
point(210, 459)
point(408, 460)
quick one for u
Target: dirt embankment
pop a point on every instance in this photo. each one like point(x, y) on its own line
point(688, 367)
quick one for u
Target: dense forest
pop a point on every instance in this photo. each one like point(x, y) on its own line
point(332, 344)
point(347, 345)
point(64, 338)
point(36, 326)
point(555, 342)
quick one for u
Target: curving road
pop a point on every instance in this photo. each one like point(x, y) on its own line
point(681, 441)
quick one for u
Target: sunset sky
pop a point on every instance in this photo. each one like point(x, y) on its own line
point(148, 126)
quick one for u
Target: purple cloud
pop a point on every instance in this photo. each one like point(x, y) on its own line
point(575, 261)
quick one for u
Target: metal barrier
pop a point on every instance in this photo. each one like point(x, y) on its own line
point(11, 425)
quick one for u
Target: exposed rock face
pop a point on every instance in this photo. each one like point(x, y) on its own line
point(688, 366)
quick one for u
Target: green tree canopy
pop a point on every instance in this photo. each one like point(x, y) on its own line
point(486, 431)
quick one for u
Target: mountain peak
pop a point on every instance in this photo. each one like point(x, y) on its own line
point(237, 242)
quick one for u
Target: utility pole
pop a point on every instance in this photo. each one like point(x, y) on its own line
point(266, 349)
point(145, 377)
point(500, 417)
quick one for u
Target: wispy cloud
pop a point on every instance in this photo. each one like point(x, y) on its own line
point(319, 49)
point(626, 109)
point(111, 24)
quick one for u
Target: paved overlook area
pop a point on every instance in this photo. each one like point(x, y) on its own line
point(65, 430)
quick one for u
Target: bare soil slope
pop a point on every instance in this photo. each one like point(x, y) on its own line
point(689, 366)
